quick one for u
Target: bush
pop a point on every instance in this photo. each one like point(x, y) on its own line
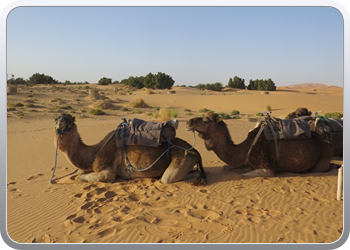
point(333, 115)
point(164, 114)
point(235, 112)
point(259, 114)
point(174, 113)
point(138, 103)
point(205, 110)
point(224, 116)
point(96, 112)
point(268, 108)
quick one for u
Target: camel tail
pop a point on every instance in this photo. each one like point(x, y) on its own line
point(202, 179)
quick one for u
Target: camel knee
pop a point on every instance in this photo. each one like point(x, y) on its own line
point(106, 175)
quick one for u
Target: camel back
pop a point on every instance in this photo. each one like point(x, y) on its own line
point(297, 128)
point(151, 134)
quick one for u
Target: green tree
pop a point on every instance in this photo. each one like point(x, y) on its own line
point(149, 81)
point(40, 79)
point(104, 81)
point(163, 81)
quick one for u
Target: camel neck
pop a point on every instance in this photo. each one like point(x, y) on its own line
point(230, 153)
point(79, 154)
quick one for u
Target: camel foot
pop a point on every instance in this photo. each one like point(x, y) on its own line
point(104, 176)
point(260, 173)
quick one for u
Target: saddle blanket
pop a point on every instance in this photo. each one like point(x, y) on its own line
point(297, 128)
point(151, 134)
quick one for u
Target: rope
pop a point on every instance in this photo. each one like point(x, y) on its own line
point(54, 168)
point(170, 145)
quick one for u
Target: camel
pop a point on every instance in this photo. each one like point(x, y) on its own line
point(298, 113)
point(297, 155)
point(336, 139)
point(105, 161)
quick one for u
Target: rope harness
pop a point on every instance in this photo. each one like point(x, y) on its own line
point(123, 127)
point(54, 168)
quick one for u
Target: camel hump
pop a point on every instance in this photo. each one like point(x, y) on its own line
point(297, 128)
point(150, 134)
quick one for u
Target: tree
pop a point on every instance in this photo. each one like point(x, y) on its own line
point(237, 83)
point(104, 81)
point(163, 81)
point(260, 84)
point(149, 81)
point(40, 79)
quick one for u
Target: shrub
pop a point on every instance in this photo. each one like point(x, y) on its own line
point(259, 114)
point(17, 104)
point(235, 112)
point(174, 113)
point(187, 110)
point(164, 114)
point(123, 109)
point(268, 108)
point(66, 107)
point(224, 116)
point(138, 103)
point(205, 110)
point(150, 92)
point(29, 105)
point(96, 112)
point(333, 115)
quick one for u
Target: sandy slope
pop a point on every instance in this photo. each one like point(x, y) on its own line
point(230, 209)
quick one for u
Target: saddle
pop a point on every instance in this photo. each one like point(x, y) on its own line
point(329, 125)
point(144, 133)
point(288, 129)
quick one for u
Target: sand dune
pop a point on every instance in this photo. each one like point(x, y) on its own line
point(299, 208)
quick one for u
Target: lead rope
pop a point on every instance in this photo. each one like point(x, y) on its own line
point(170, 145)
point(54, 168)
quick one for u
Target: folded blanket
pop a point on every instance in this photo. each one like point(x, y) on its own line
point(151, 134)
point(288, 129)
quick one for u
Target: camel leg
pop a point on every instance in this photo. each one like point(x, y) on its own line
point(263, 172)
point(178, 168)
point(324, 163)
point(106, 175)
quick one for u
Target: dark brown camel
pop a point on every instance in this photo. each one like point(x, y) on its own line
point(104, 160)
point(296, 155)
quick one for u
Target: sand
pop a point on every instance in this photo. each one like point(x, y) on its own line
point(287, 208)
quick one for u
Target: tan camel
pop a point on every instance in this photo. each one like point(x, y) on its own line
point(322, 128)
point(294, 155)
point(104, 160)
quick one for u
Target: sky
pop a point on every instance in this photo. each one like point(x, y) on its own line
point(290, 45)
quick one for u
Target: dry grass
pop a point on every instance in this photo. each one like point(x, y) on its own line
point(164, 114)
point(138, 103)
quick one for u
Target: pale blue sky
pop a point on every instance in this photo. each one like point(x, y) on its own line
point(193, 45)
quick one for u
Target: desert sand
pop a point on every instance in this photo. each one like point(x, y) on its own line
point(287, 208)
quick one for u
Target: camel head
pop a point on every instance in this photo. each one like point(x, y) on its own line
point(299, 112)
point(64, 123)
point(205, 125)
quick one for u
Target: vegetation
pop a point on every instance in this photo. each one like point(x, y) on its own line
point(259, 114)
point(104, 81)
point(152, 81)
point(164, 114)
point(210, 86)
point(236, 83)
point(38, 78)
point(98, 111)
point(235, 112)
point(138, 103)
point(260, 84)
point(205, 110)
point(268, 108)
point(333, 115)
point(174, 113)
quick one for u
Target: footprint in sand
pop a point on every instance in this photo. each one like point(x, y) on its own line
point(33, 177)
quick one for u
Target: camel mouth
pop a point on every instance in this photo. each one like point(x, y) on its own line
point(189, 128)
